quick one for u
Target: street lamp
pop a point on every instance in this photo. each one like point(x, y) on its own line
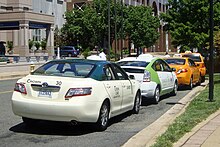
point(211, 65)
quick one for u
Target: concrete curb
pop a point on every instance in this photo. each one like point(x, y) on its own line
point(148, 136)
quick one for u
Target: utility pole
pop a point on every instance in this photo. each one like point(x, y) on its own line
point(109, 44)
point(211, 65)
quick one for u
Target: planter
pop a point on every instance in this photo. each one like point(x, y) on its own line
point(3, 63)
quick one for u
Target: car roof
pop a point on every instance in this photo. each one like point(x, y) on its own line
point(142, 57)
point(81, 60)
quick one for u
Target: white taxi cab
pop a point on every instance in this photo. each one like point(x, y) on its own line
point(76, 90)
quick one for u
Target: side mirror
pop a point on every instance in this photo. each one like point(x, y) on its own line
point(131, 77)
point(173, 69)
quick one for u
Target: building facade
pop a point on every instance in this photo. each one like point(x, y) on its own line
point(24, 20)
point(164, 42)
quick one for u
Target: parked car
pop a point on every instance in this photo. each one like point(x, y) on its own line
point(153, 73)
point(67, 51)
point(198, 59)
point(76, 90)
point(186, 70)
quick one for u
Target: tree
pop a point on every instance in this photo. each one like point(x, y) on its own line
point(141, 26)
point(188, 22)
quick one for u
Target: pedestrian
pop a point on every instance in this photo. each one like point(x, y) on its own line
point(2, 49)
point(102, 55)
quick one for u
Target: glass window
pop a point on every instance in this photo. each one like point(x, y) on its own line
point(194, 57)
point(133, 63)
point(175, 61)
point(119, 73)
point(108, 74)
point(68, 69)
point(165, 66)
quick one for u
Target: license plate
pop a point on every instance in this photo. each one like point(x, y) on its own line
point(44, 93)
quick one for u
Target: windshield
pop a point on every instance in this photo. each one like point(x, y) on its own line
point(194, 57)
point(133, 63)
point(66, 69)
point(175, 61)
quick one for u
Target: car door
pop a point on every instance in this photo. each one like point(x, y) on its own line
point(195, 70)
point(169, 76)
point(114, 89)
point(127, 90)
point(157, 66)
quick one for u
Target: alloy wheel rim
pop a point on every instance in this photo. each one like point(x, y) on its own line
point(157, 95)
point(104, 115)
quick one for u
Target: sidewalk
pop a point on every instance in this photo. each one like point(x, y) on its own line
point(205, 134)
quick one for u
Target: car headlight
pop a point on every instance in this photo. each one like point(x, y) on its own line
point(19, 87)
point(78, 92)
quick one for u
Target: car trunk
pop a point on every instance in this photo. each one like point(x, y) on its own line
point(52, 88)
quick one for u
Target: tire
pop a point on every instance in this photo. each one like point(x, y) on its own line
point(137, 103)
point(202, 79)
point(157, 95)
point(29, 121)
point(103, 119)
point(69, 55)
point(174, 92)
point(190, 86)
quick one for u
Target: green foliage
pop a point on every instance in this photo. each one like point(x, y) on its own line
point(86, 53)
point(142, 26)
point(37, 44)
point(10, 45)
point(43, 44)
point(197, 111)
point(188, 21)
point(90, 26)
point(30, 43)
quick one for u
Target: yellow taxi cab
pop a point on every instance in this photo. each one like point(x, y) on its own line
point(198, 59)
point(186, 71)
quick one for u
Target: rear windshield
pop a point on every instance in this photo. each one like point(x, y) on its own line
point(131, 70)
point(194, 57)
point(175, 61)
point(66, 69)
point(133, 63)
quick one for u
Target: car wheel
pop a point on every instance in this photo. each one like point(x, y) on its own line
point(69, 55)
point(190, 86)
point(174, 92)
point(29, 121)
point(137, 103)
point(199, 82)
point(157, 95)
point(202, 79)
point(103, 120)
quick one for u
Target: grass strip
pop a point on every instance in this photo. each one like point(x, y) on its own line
point(198, 110)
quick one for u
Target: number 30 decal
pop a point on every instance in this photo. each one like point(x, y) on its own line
point(59, 83)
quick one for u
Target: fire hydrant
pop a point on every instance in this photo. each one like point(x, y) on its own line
point(32, 67)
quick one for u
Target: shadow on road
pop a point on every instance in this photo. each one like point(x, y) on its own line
point(63, 128)
point(53, 128)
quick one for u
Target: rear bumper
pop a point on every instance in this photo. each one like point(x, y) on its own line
point(148, 89)
point(56, 111)
point(183, 79)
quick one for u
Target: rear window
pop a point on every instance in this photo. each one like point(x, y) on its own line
point(175, 61)
point(66, 69)
point(133, 63)
point(194, 57)
point(131, 70)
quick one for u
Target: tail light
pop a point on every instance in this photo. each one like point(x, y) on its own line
point(146, 77)
point(78, 92)
point(181, 70)
point(203, 65)
point(19, 87)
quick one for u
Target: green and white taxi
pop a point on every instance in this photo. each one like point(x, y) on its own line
point(155, 76)
point(76, 90)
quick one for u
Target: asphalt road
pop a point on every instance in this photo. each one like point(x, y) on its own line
point(14, 133)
